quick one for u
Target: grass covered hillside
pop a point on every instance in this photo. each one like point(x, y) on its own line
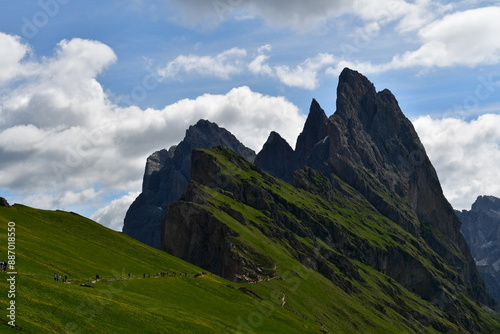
point(49, 242)
point(294, 300)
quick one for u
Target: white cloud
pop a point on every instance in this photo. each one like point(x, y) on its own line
point(222, 66)
point(258, 65)
point(112, 214)
point(409, 15)
point(465, 154)
point(63, 140)
point(305, 75)
point(12, 51)
point(467, 38)
point(233, 62)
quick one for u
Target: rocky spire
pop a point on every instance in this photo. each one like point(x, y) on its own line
point(315, 129)
point(276, 157)
point(371, 132)
point(371, 145)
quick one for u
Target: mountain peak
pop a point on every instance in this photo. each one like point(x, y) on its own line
point(354, 83)
point(167, 175)
point(315, 129)
point(486, 203)
point(205, 134)
point(276, 157)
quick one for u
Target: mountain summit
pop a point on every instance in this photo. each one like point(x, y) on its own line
point(357, 202)
point(167, 175)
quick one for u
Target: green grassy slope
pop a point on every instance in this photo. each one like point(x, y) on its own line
point(371, 302)
point(49, 242)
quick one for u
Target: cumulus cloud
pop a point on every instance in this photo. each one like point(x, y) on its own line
point(12, 51)
point(466, 38)
point(258, 64)
point(465, 155)
point(112, 214)
point(234, 62)
point(305, 75)
point(223, 65)
point(62, 139)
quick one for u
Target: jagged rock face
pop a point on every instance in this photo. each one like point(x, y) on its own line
point(371, 131)
point(372, 146)
point(167, 176)
point(195, 234)
point(276, 157)
point(481, 228)
point(329, 228)
point(3, 202)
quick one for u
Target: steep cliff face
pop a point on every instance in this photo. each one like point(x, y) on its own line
point(371, 145)
point(481, 229)
point(167, 176)
point(239, 222)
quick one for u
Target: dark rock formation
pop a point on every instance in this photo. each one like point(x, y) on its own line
point(276, 157)
point(3, 202)
point(371, 145)
point(481, 229)
point(232, 208)
point(362, 172)
point(166, 177)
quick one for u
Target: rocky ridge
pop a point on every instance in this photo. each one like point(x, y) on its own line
point(243, 224)
point(368, 156)
point(371, 145)
point(481, 229)
point(360, 195)
point(166, 176)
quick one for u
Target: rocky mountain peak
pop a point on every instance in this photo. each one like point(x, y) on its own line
point(153, 165)
point(276, 156)
point(315, 129)
point(481, 229)
point(167, 175)
point(355, 96)
point(486, 203)
point(370, 144)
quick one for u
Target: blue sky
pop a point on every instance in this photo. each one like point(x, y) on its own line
point(88, 89)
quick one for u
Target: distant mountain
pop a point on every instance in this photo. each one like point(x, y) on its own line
point(481, 228)
point(166, 177)
point(361, 199)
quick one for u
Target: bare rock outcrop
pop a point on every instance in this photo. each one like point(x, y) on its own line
point(3, 202)
point(481, 229)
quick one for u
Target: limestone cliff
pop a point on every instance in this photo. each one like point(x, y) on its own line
point(371, 145)
point(243, 224)
point(481, 228)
